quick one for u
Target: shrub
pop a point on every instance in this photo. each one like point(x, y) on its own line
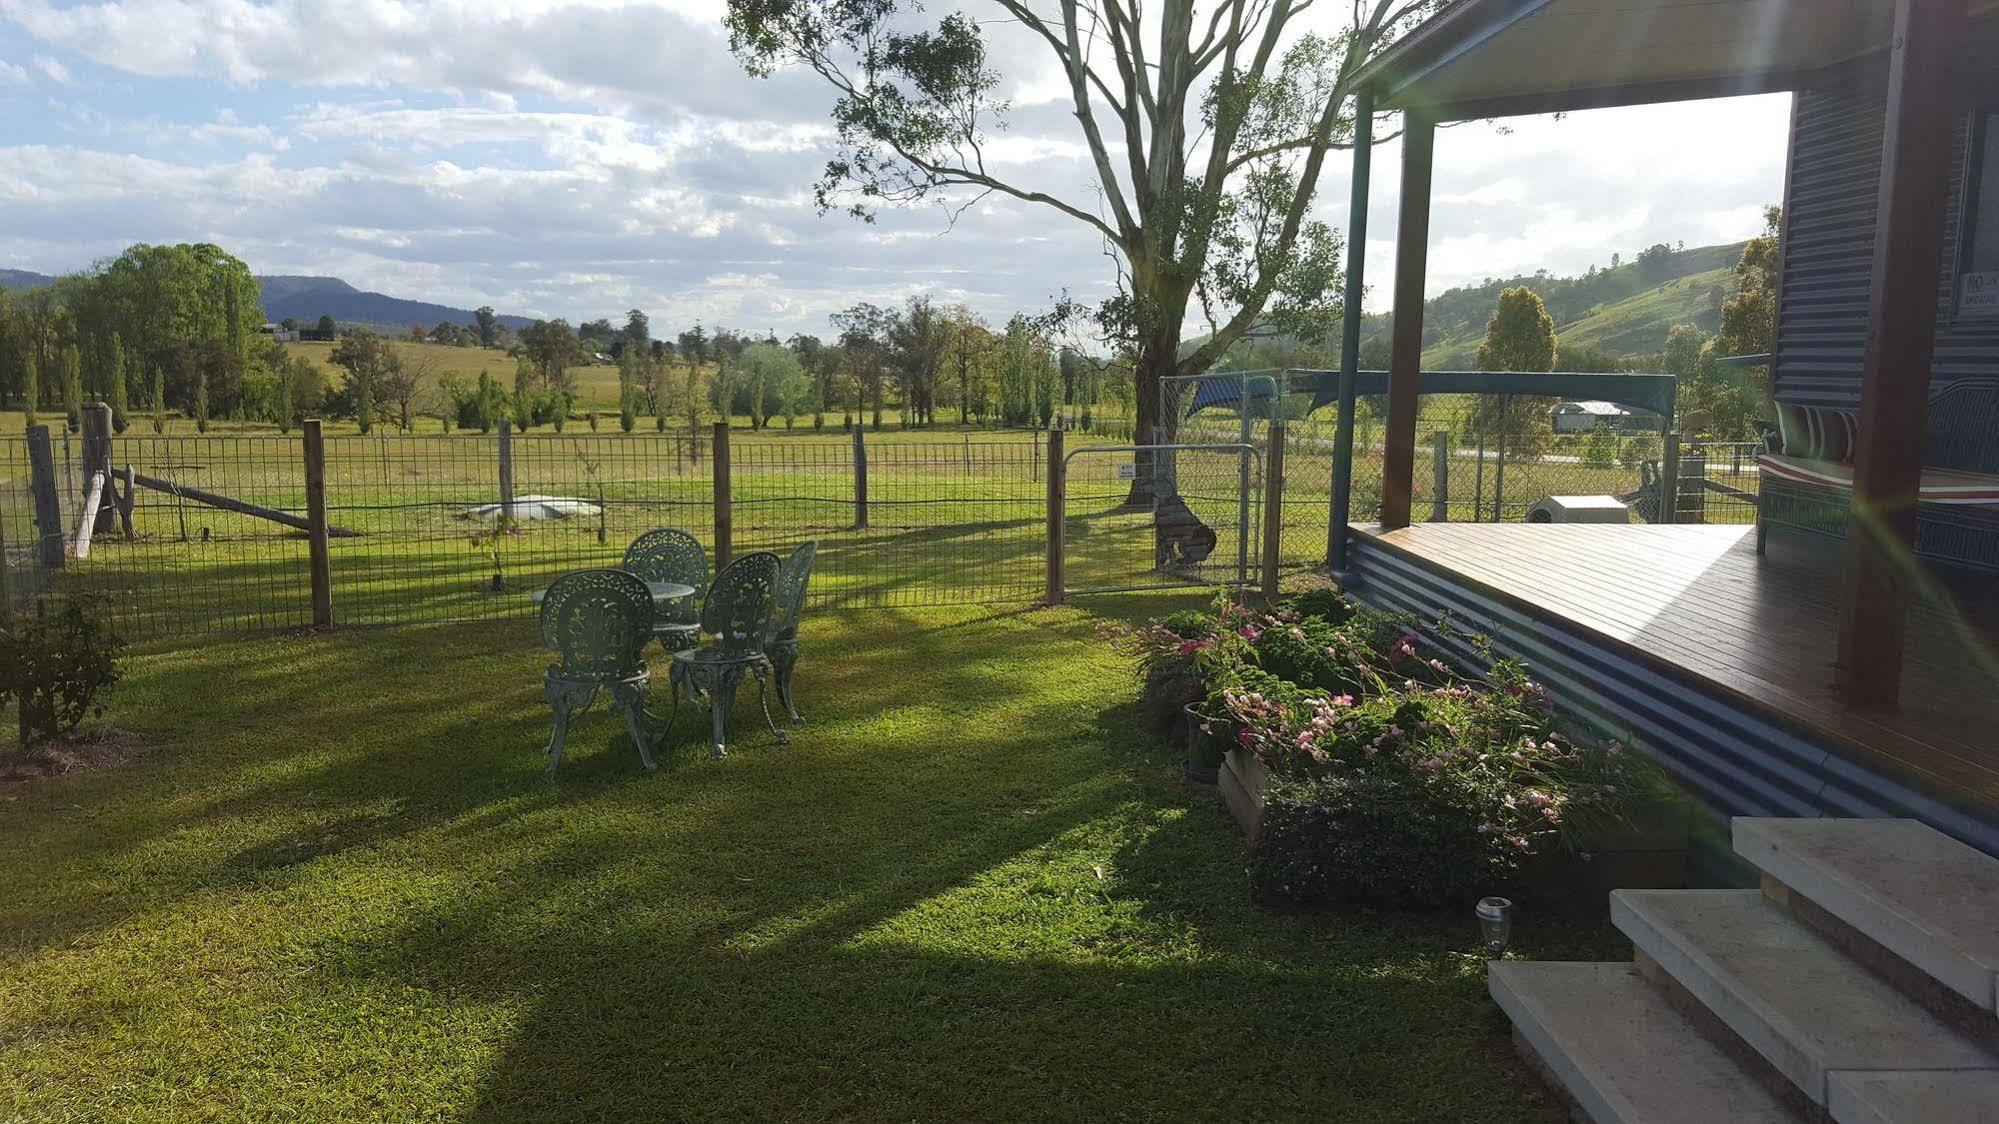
point(54, 666)
point(1379, 837)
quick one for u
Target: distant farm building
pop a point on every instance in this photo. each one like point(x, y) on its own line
point(1579, 417)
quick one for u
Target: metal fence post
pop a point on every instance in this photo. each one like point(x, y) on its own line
point(1669, 479)
point(506, 473)
point(1273, 508)
point(48, 505)
point(860, 482)
point(6, 572)
point(315, 517)
point(1057, 501)
point(725, 516)
point(1440, 472)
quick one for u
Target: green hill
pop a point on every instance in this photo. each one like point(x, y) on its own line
point(1625, 310)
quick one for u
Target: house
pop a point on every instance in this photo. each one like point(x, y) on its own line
point(1827, 682)
point(278, 333)
point(1581, 417)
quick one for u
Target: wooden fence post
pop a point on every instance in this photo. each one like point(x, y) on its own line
point(1692, 488)
point(506, 473)
point(725, 516)
point(97, 459)
point(1669, 479)
point(1057, 502)
point(860, 482)
point(48, 504)
point(315, 517)
point(1273, 508)
point(1440, 473)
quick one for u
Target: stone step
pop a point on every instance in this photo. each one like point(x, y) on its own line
point(1908, 887)
point(1915, 1098)
point(1620, 1051)
point(1807, 1008)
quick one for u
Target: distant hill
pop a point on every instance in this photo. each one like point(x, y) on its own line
point(22, 279)
point(306, 299)
point(1624, 311)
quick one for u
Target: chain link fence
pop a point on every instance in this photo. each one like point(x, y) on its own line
point(217, 544)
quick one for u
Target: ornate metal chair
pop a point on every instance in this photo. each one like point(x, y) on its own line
point(669, 555)
point(597, 622)
point(781, 638)
point(736, 615)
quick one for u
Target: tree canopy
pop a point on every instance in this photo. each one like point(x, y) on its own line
point(1207, 131)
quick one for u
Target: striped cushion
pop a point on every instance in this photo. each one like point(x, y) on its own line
point(1816, 432)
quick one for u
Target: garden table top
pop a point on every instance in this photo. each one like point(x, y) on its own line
point(662, 592)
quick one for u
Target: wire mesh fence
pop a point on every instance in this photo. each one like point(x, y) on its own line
point(418, 530)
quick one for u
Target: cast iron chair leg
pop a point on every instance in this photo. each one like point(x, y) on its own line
point(764, 702)
point(671, 715)
point(784, 692)
point(634, 709)
point(554, 747)
point(721, 700)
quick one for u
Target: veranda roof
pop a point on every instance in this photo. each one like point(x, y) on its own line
point(1495, 58)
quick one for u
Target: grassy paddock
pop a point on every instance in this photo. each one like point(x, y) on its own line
point(956, 516)
point(339, 888)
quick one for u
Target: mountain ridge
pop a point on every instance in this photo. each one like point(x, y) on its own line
point(306, 297)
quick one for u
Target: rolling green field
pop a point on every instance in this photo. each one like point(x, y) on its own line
point(337, 887)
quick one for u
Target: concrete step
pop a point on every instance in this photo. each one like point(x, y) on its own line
point(1915, 1098)
point(1620, 1051)
point(1908, 887)
point(1807, 1008)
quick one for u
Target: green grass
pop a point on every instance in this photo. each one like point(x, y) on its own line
point(339, 888)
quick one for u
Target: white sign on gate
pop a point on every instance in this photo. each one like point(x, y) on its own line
point(1127, 472)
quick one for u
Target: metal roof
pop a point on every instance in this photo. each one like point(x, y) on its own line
point(1496, 58)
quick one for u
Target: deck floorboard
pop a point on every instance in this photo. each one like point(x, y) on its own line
point(1763, 629)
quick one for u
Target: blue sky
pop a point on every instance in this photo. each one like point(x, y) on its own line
point(554, 158)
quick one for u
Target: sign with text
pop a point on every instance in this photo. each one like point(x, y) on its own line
point(1127, 472)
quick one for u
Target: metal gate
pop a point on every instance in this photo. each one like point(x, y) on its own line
point(1165, 516)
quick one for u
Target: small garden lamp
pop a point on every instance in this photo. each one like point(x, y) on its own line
point(1495, 920)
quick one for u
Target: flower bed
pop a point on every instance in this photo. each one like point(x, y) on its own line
point(1363, 768)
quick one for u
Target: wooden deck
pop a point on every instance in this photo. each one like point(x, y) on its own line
point(1696, 608)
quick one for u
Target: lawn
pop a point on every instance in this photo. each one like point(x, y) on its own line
point(339, 888)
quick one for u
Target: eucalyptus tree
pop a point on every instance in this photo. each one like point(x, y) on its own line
point(1207, 128)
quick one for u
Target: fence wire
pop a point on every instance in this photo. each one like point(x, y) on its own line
point(906, 520)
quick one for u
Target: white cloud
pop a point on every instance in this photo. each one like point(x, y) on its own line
point(52, 69)
point(11, 75)
point(576, 158)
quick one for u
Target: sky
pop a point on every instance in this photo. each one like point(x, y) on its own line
point(558, 158)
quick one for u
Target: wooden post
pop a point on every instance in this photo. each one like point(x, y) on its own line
point(1340, 513)
point(1925, 68)
point(1058, 472)
point(97, 459)
point(1669, 475)
point(126, 501)
point(506, 473)
point(1273, 508)
point(1440, 474)
point(315, 517)
point(1412, 244)
point(1692, 488)
point(48, 505)
point(725, 515)
point(860, 482)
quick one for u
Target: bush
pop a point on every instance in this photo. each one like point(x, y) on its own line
point(54, 667)
point(1382, 838)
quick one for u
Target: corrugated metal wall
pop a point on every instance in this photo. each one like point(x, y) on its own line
point(1828, 259)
